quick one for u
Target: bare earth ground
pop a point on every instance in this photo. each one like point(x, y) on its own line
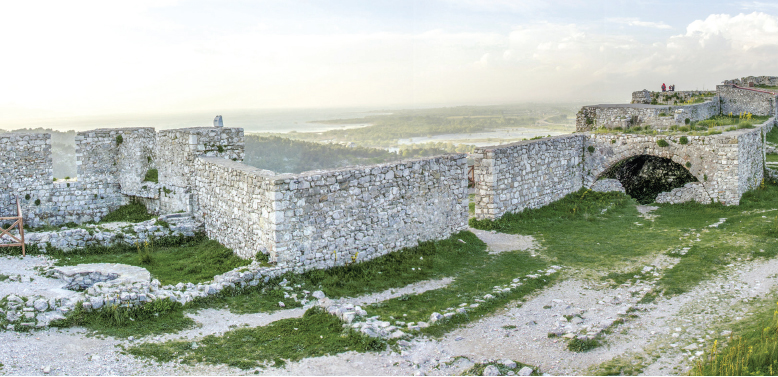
point(664, 337)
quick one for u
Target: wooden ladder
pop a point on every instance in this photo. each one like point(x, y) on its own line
point(18, 222)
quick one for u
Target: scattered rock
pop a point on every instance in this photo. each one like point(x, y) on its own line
point(508, 363)
point(491, 370)
point(525, 371)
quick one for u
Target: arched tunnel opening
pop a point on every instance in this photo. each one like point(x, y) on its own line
point(644, 176)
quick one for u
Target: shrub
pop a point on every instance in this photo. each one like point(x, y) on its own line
point(590, 149)
point(683, 140)
point(687, 120)
point(37, 202)
point(688, 164)
point(613, 141)
point(119, 139)
point(662, 143)
point(684, 128)
point(67, 177)
point(27, 197)
point(582, 345)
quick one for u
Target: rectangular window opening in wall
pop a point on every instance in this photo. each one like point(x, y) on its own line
point(63, 154)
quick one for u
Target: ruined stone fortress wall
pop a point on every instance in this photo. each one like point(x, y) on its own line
point(757, 80)
point(322, 219)
point(647, 97)
point(737, 100)
point(590, 118)
point(111, 166)
point(510, 178)
point(527, 174)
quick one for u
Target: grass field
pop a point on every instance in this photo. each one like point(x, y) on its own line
point(194, 261)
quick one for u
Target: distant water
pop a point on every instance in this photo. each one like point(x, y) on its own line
point(277, 121)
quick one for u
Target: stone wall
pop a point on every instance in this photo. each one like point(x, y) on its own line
point(738, 100)
point(751, 155)
point(177, 151)
point(668, 98)
point(237, 203)
point(710, 159)
point(322, 219)
point(757, 80)
point(343, 216)
point(111, 167)
point(25, 169)
point(527, 174)
point(590, 118)
point(136, 156)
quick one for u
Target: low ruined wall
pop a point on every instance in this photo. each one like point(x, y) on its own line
point(742, 100)
point(527, 174)
point(590, 118)
point(327, 218)
point(111, 167)
point(757, 80)
point(667, 98)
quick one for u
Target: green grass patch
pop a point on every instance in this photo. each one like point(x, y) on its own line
point(190, 261)
point(152, 175)
point(772, 136)
point(428, 260)
point(315, 334)
point(475, 280)
point(772, 157)
point(752, 352)
point(602, 231)
point(4, 277)
point(158, 317)
point(134, 212)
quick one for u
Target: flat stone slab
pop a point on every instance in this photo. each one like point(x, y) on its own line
point(501, 242)
point(83, 276)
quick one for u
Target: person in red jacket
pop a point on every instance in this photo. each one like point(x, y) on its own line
point(664, 87)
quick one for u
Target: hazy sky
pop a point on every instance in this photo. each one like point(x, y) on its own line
point(100, 57)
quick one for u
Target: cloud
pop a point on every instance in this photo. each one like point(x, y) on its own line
point(637, 22)
point(124, 57)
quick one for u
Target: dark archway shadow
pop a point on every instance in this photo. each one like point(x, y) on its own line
point(645, 176)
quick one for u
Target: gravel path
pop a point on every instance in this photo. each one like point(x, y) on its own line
point(24, 279)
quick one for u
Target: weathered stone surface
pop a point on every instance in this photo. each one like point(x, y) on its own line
point(83, 276)
point(322, 219)
point(607, 185)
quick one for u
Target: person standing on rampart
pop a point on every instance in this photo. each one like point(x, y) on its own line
point(664, 87)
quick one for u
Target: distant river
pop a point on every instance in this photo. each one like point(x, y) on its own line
point(278, 121)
